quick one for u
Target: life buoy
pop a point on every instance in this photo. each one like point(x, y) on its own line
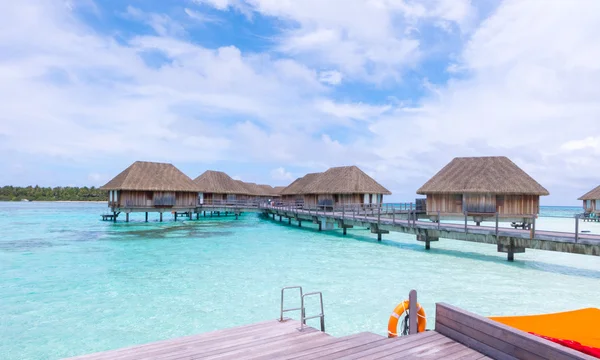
point(397, 313)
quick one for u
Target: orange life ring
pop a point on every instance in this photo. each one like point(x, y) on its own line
point(401, 309)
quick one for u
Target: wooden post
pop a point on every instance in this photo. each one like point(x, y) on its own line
point(161, 217)
point(393, 217)
point(496, 225)
point(273, 216)
point(175, 215)
point(299, 223)
point(412, 312)
point(126, 217)
point(289, 221)
point(576, 228)
point(378, 235)
point(465, 222)
point(439, 219)
point(511, 254)
point(343, 212)
point(114, 216)
point(280, 218)
point(204, 213)
point(190, 215)
point(319, 226)
point(378, 216)
point(146, 216)
point(344, 229)
point(533, 227)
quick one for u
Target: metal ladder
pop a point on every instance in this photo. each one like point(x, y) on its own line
point(302, 309)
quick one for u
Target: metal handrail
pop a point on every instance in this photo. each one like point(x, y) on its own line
point(292, 309)
point(321, 315)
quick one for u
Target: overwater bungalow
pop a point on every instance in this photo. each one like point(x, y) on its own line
point(151, 187)
point(591, 201)
point(345, 185)
point(216, 188)
point(482, 187)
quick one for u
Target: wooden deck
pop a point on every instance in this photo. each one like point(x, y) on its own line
point(508, 240)
point(458, 334)
point(283, 340)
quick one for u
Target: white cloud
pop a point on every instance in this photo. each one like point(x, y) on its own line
point(162, 24)
point(280, 174)
point(200, 17)
point(331, 77)
point(356, 111)
point(367, 40)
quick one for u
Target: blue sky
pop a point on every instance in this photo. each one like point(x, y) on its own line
point(268, 90)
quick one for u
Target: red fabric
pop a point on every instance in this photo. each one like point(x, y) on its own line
point(593, 351)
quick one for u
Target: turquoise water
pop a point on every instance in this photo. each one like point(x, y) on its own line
point(72, 284)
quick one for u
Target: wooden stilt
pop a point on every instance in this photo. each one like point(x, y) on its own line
point(204, 213)
point(225, 213)
point(378, 236)
point(190, 215)
point(279, 217)
point(160, 217)
point(115, 216)
point(175, 215)
point(198, 216)
point(511, 256)
point(236, 216)
point(289, 221)
point(427, 244)
point(299, 223)
point(344, 230)
point(320, 226)
point(146, 216)
point(218, 214)
point(126, 217)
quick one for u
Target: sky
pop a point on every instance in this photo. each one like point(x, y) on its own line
point(269, 90)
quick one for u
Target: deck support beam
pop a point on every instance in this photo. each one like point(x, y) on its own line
point(510, 249)
point(427, 238)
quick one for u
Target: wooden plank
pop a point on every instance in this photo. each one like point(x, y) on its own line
point(112, 353)
point(194, 339)
point(232, 342)
point(445, 352)
point(462, 354)
point(263, 347)
point(290, 350)
point(494, 342)
point(403, 342)
point(395, 353)
point(339, 344)
point(356, 349)
point(472, 343)
point(531, 346)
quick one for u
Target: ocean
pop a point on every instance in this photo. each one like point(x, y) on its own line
point(72, 284)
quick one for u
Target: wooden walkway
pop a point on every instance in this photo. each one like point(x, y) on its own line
point(283, 340)
point(508, 240)
point(458, 334)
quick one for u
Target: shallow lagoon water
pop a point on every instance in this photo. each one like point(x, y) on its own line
point(72, 284)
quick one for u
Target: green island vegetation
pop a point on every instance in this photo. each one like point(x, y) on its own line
point(37, 193)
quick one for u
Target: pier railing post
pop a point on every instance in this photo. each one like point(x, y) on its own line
point(439, 219)
point(465, 222)
point(496, 225)
point(577, 228)
point(412, 312)
point(378, 216)
point(533, 226)
point(393, 217)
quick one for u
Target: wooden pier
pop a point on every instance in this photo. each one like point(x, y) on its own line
point(457, 335)
point(507, 240)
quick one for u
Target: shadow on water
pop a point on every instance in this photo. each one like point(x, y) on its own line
point(185, 229)
point(418, 247)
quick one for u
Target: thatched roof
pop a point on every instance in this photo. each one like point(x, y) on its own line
point(494, 174)
point(151, 176)
point(299, 184)
point(217, 182)
point(278, 189)
point(337, 180)
point(592, 195)
point(344, 180)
